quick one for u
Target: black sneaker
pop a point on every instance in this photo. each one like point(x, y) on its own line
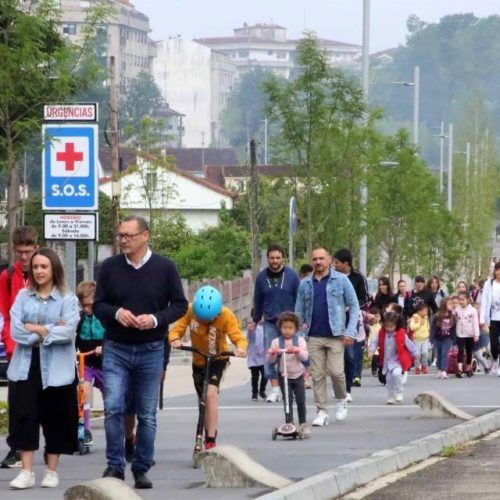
point(263, 395)
point(112, 472)
point(129, 449)
point(13, 459)
point(255, 397)
point(88, 440)
point(142, 482)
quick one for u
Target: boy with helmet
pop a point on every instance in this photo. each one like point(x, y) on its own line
point(209, 323)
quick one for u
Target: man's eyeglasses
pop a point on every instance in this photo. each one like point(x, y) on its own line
point(126, 236)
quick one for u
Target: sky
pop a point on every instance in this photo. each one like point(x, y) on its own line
point(339, 20)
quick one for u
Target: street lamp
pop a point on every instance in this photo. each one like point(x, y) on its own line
point(416, 100)
point(442, 137)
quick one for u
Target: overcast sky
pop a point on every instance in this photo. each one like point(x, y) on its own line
point(334, 19)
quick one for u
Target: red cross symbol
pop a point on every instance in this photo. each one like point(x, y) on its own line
point(69, 156)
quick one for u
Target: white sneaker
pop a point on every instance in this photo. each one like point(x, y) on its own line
point(405, 377)
point(444, 375)
point(439, 374)
point(390, 401)
point(341, 410)
point(398, 398)
point(274, 395)
point(321, 419)
point(498, 371)
point(25, 479)
point(51, 479)
point(349, 398)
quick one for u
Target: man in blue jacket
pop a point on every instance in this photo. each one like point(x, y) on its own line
point(275, 292)
point(322, 301)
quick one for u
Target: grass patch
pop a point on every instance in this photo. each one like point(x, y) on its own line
point(449, 451)
point(4, 418)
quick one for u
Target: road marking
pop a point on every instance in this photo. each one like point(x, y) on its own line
point(279, 407)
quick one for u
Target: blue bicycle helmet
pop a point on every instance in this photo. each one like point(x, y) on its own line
point(207, 303)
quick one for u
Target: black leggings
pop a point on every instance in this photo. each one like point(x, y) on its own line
point(467, 345)
point(494, 338)
point(295, 387)
point(258, 371)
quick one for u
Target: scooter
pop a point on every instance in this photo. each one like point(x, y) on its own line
point(82, 401)
point(198, 442)
point(288, 430)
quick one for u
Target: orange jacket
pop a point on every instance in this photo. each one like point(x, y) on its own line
point(209, 335)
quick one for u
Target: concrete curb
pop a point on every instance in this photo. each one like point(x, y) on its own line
point(228, 466)
point(107, 488)
point(346, 478)
point(433, 405)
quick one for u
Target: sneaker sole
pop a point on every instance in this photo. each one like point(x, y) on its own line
point(11, 466)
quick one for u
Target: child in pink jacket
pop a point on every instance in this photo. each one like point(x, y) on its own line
point(467, 331)
point(296, 353)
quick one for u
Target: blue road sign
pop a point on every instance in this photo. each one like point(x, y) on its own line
point(69, 167)
point(293, 215)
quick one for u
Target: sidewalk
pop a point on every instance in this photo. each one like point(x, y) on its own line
point(470, 473)
point(179, 381)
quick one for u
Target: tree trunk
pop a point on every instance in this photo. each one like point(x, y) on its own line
point(13, 212)
point(254, 200)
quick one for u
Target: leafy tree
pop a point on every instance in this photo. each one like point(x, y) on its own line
point(37, 67)
point(143, 98)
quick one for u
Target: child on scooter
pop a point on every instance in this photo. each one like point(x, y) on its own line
point(296, 353)
point(209, 322)
point(89, 337)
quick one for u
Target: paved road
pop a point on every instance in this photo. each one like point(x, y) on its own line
point(370, 426)
point(471, 473)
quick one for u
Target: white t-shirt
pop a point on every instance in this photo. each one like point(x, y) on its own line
point(495, 301)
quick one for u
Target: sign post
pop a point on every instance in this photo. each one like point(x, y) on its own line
point(70, 185)
point(292, 229)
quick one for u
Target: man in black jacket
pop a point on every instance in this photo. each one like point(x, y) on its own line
point(420, 294)
point(353, 355)
point(139, 293)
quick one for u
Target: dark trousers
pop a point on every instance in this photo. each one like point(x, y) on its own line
point(349, 366)
point(258, 372)
point(494, 338)
point(53, 408)
point(295, 388)
point(467, 345)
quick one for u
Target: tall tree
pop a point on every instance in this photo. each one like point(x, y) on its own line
point(37, 67)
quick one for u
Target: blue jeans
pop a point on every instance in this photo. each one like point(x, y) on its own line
point(442, 349)
point(136, 368)
point(270, 333)
point(359, 350)
point(349, 365)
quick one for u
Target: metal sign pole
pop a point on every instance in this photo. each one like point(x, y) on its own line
point(292, 229)
point(70, 264)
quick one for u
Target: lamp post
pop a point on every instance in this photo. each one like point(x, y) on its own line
point(363, 243)
point(442, 137)
point(450, 167)
point(416, 100)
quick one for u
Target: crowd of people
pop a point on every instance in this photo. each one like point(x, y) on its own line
point(320, 323)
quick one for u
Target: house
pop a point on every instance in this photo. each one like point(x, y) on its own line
point(235, 177)
point(151, 188)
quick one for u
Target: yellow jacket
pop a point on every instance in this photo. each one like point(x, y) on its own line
point(209, 336)
point(420, 327)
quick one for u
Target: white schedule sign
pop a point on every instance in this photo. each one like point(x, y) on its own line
point(68, 226)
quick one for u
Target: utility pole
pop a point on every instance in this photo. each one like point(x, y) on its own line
point(441, 158)
point(115, 152)
point(416, 103)
point(254, 198)
point(450, 167)
point(363, 244)
point(265, 139)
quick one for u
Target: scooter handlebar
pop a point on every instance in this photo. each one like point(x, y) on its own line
point(197, 351)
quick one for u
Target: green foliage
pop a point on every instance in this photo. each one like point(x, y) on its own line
point(4, 418)
point(143, 98)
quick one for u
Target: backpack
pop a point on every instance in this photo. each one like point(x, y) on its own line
point(295, 342)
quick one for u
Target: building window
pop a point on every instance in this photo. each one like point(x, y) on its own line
point(281, 54)
point(270, 52)
point(69, 29)
point(243, 53)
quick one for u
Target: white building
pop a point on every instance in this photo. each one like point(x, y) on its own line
point(196, 81)
point(267, 46)
point(170, 191)
point(127, 36)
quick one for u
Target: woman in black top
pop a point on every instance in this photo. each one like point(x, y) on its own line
point(384, 295)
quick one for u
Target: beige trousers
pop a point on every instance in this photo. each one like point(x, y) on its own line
point(327, 360)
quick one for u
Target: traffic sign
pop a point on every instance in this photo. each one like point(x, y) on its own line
point(293, 215)
point(69, 167)
point(85, 112)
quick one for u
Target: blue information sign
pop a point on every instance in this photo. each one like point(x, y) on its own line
point(69, 167)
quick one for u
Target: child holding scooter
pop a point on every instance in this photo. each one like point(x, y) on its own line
point(291, 349)
point(209, 323)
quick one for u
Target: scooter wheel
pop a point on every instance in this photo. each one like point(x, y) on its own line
point(274, 434)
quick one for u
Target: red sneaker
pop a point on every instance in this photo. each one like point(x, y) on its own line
point(418, 371)
point(210, 445)
point(424, 369)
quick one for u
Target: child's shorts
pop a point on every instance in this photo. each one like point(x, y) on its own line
point(96, 375)
point(215, 376)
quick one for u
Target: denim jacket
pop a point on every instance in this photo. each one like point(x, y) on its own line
point(57, 349)
point(340, 295)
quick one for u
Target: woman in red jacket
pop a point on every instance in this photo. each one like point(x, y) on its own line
point(395, 355)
